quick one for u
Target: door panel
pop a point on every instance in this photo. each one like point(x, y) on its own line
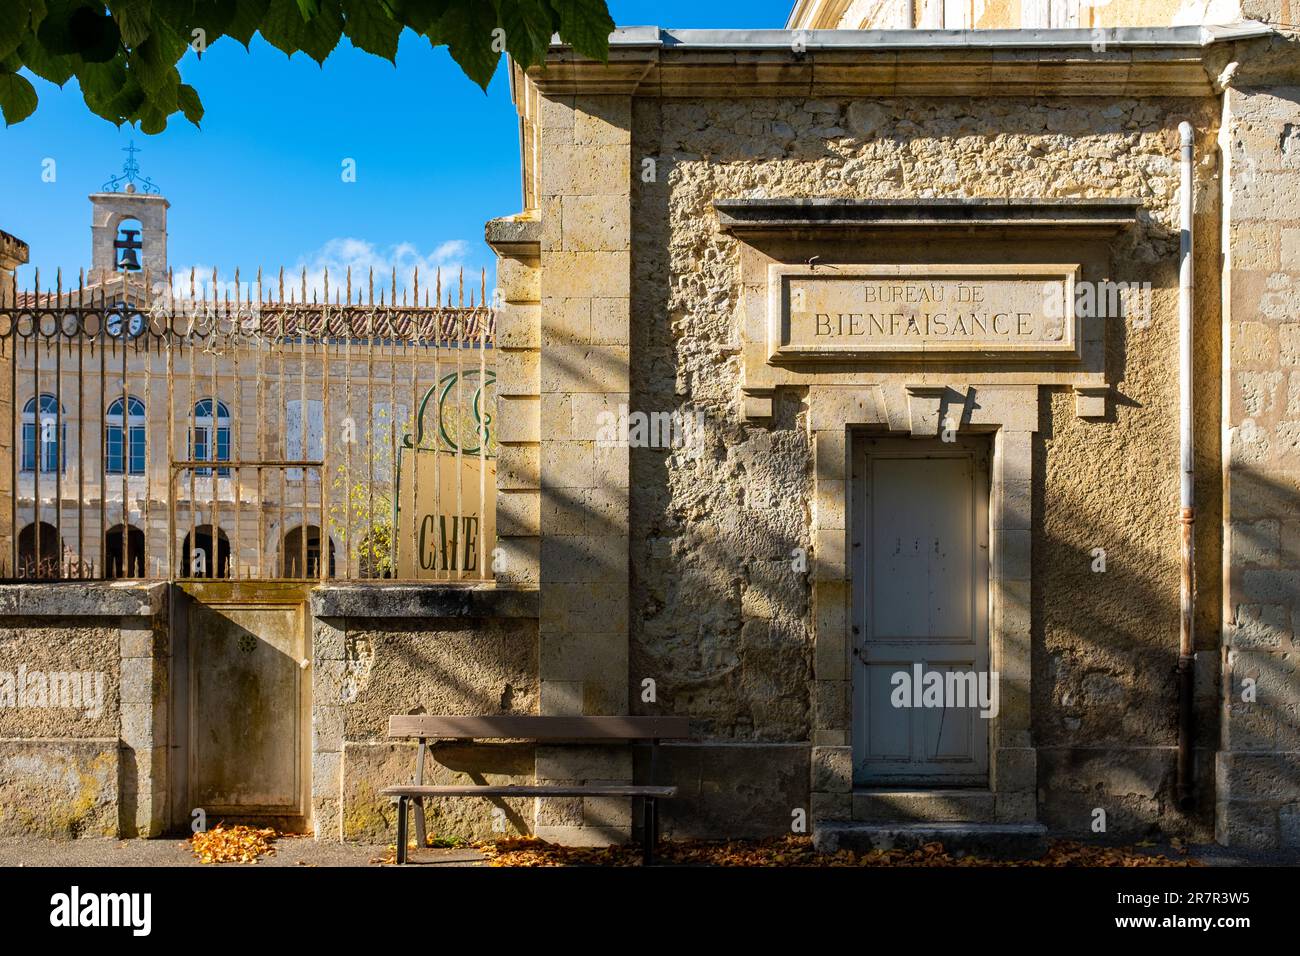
point(248, 709)
point(920, 535)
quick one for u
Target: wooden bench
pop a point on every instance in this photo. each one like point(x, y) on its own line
point(548, 730)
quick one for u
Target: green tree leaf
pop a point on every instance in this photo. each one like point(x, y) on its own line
point(188, 98)
point(132, 18)
point(420, 15)
point(239, 19)
point(111, 92)
point(15, 15)
point(371, 28)
point(124, 53)
point(56, 68)
point(285, 29)
point(528, 28)
point(586, 26)
point(154, 61)
point(467, 28)
point(17, 98)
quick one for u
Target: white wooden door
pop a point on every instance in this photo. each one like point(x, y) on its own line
point(920, 566)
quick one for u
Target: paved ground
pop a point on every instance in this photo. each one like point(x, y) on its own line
point(304, 851)
point(289, 851)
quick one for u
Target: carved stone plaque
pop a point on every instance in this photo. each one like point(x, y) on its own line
point(841, 312)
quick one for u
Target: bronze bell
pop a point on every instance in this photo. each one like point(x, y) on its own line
point(129, 246)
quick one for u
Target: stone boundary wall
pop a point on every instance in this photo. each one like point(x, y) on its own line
point(379, 651)
point(83, 709)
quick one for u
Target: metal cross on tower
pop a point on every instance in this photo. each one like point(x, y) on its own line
point(130, 174)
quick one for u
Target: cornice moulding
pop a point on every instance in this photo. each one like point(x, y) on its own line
point(648, 61)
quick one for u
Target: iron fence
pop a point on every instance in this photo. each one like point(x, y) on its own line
point(261, 431)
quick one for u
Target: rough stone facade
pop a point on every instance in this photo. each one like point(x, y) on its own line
point(1259, 756)
point(83, 711)
point(723, 625)
point(719, 612)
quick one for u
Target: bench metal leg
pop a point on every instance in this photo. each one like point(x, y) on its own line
point(654, 818)
point(421, 834)
point(401, 830)
point(650, 828)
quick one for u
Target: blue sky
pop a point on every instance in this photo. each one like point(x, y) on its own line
point(259, 184)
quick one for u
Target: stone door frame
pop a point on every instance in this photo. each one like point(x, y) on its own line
point(1010, 414)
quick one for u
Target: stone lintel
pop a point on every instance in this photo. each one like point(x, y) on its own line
point(829, 218)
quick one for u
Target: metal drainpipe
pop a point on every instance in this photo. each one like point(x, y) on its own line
point(1187, 464)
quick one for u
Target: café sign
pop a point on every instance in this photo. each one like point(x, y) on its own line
point(446, 515)
point(843, 312)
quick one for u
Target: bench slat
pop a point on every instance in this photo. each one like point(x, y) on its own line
point(538, 728)
point(530, 790)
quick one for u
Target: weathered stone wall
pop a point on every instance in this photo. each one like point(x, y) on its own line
point(719, 620)
point(371, 668)
point(1259, 764)
point(67, 788)
point(83, 699)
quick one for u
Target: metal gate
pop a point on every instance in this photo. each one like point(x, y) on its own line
point(187, 430)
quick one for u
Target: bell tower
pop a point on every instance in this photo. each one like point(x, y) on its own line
point(128, 223)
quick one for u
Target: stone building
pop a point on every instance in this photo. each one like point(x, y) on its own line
point(908, 397)
point(924, 287)
point(85, 471)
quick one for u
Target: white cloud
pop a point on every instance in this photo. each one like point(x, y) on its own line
point(402, 259)
point(340, 254)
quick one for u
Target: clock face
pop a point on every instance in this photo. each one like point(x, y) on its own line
point(134, 324)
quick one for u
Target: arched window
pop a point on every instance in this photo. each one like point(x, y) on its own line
point(200, 560)
point(115, 549)
point(51, 437)
point(291, 554)
point(210, 438)
point(45, 561)
point(125, 451)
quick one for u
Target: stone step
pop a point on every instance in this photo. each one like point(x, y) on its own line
point(928, 806)
point(1027, 840)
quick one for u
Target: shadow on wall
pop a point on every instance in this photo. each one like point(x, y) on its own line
point(722, 629)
